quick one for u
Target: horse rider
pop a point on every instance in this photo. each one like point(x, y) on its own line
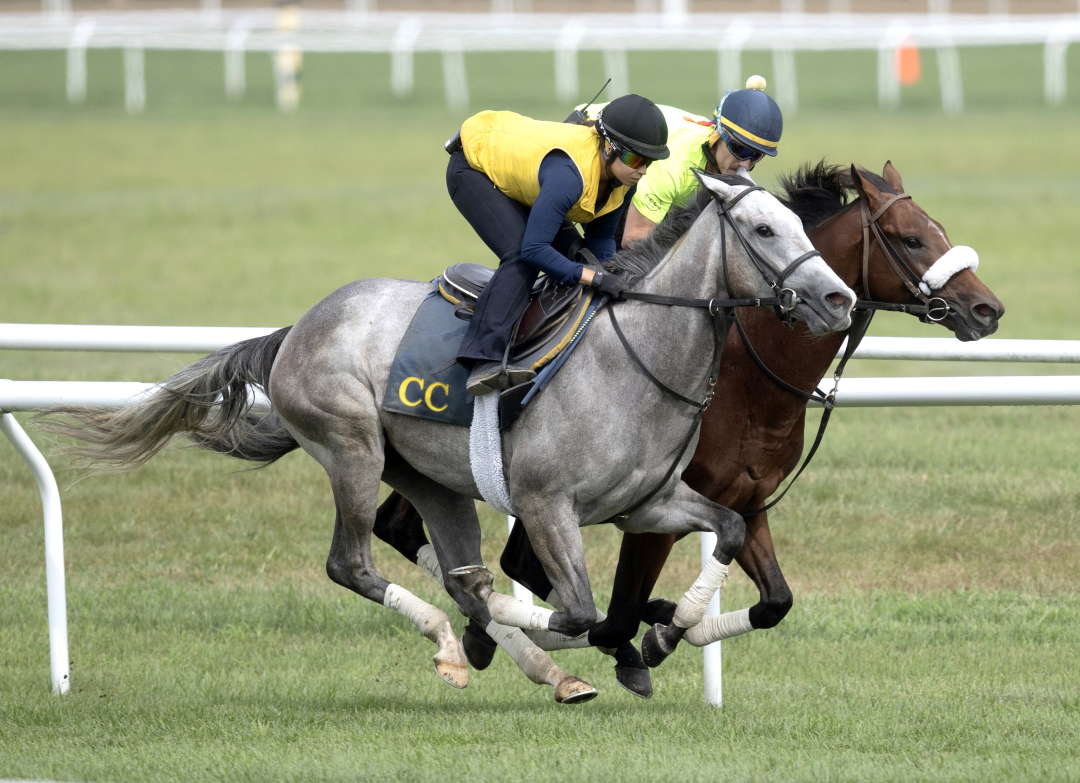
point(517, 181)
point(745, 127)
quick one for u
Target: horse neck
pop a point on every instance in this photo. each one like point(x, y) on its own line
point(796, 355)
point(676, 342)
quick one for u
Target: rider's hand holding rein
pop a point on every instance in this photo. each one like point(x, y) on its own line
point(519, 182)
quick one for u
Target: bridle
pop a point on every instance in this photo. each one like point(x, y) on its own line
point(928, 311)
point(861, 317)
point(722, 313)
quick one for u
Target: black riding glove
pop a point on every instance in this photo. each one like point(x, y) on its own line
point(609, 283)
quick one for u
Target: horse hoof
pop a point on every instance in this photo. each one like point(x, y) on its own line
point(478, 653)
point(450, 659)
point(574, 691)
point(652, 649)
point(636, 681)
point(455, 673)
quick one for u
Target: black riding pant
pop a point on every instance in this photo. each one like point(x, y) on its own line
point(500, 221)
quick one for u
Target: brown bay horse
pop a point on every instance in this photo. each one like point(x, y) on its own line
point(752, 436)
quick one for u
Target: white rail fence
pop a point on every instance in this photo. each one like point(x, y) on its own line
point(854, 392)
point(453, 35)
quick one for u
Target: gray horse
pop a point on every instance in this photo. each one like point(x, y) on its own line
point(598, 442)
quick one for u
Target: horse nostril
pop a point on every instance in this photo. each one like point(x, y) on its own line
point(984, 310)
point(837, 299)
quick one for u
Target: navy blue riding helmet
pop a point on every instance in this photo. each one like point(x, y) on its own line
point(750, 117)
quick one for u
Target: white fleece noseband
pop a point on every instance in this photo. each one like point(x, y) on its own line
point(955, 260)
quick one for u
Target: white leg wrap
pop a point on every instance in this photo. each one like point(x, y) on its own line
point(429, 561)
point(693, 604)
point(534, 662)
point(428, 619)
point(507, 610)
point(713, 629)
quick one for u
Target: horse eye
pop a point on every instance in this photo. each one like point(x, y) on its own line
point(764, 231)
point(913, 243)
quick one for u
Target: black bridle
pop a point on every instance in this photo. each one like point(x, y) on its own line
point(722, 313)
point(863, 314)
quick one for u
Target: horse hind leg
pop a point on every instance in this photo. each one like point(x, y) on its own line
point(355, 483)
point(455, 533)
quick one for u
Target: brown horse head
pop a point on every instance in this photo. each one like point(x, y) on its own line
point(920, 240)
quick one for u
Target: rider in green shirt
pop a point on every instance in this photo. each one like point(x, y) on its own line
point(749, 127)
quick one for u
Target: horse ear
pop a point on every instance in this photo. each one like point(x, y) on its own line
point(717, 187)
point(866, 188)
point(892, 176)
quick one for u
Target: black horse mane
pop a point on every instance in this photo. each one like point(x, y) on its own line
point(814, 192)
point(817, 192)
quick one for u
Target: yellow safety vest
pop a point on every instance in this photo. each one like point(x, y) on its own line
point(509, 149)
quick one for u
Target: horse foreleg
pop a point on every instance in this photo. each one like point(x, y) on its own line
point(688, 511)
point(758, 560)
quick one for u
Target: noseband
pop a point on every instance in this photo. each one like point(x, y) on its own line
point(933, 308)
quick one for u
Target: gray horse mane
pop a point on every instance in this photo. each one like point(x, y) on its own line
point(642, 257)
point(817, 192)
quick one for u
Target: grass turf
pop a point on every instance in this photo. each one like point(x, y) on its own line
point(932, 552)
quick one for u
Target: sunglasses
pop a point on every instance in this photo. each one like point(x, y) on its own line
point(631, 159)
point(741, 151)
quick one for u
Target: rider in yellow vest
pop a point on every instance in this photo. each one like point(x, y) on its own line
point(517, 181)
point(749, 129)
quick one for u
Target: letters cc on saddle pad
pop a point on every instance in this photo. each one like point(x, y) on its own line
point(425, 379)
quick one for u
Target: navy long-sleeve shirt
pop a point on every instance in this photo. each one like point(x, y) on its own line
point(560, 188)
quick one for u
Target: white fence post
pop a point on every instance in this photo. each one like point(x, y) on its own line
point(998, 7)
point(54, 551)
point(888, 81)
point(787, 85)
point(521, 592)
point(401, 57)
point(938, 6)
point(952, 86)
point(134, 79)
point(455, 78)
point(566, 60)
point(713, 674)
point(617, 69)
point(839, 6)
point(1054, 69)
point(235, 59)
point(76, 61)
point(730, 56)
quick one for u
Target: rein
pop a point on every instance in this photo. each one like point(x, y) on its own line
point(722, 312)
point(863, 314)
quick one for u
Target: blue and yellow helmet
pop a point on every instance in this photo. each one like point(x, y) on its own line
point(751, 117)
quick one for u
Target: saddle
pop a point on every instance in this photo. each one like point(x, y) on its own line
point(545, 328)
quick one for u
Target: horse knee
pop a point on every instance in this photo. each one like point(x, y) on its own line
point(773, 608)
point(730, 535)
point(572, 623)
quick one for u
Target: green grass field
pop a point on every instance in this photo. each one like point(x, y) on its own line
point(932, 552)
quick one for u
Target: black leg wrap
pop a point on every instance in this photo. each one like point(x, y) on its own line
point(479, 647)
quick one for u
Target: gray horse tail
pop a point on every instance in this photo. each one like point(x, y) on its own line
point(209, 402)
